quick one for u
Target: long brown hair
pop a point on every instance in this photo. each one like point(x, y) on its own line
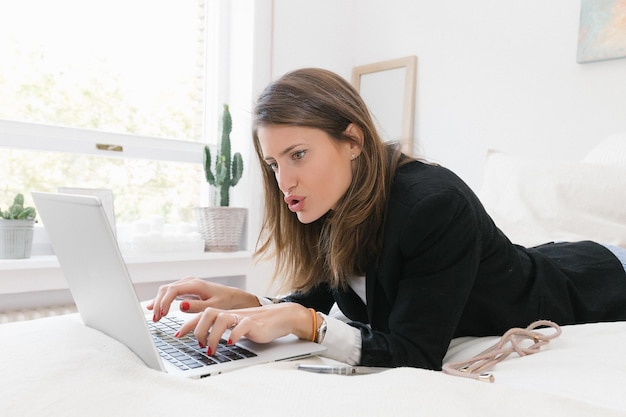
point(345, 240)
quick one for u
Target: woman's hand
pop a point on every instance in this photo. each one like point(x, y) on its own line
point(259, 324)
point(199, 295)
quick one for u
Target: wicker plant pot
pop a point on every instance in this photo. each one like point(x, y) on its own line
point(16, 238)
point(221, 227)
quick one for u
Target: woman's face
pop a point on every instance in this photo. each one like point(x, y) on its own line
point(312, 169)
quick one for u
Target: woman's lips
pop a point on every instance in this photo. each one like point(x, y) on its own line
point(294, 202)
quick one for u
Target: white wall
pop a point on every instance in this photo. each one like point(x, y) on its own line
point(491, 74)
point(314, 34)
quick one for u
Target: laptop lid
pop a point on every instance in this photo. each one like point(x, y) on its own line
point(100, 284)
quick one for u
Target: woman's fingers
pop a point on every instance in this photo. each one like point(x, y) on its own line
point(256, 330)
point(259, 324)
point(166, 295)
point(197, 295)
point(212, 326)
point(194, 305)
point(188, 326)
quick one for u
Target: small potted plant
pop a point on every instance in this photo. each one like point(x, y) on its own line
point(222, 226)
point(16, 230)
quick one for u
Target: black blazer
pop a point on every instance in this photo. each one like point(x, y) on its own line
point(447, 271)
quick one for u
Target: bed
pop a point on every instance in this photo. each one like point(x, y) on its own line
point(57, 367)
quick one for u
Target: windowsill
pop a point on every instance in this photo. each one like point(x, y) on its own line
point(47, 261)
point(43, 273)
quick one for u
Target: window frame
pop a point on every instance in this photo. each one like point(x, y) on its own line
point(31, 136)
point(35, 136)
point(41, 137)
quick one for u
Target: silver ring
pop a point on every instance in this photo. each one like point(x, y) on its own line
point(232, 326)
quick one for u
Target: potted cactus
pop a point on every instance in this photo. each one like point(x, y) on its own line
point(17, 224)
point(222, 226)
point(227, 171)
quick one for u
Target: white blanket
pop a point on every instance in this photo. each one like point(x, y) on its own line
point(58, 367)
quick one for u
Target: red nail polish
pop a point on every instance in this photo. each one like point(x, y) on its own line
point(200, 344)
point(177, 334)
point(184, 306)
point(161, 313)
point(154, 317)
point(230, 342)
point(209, 352)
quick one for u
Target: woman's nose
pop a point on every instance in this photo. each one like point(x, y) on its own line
point(286, 180)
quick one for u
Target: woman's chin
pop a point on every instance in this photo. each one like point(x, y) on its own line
point(306, 218)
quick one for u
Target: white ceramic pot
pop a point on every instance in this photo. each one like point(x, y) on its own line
point(16, 238)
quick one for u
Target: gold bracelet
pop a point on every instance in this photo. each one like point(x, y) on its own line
point(314, 315)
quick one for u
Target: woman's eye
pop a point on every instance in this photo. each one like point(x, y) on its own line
point(298, 155)
point(273, 166)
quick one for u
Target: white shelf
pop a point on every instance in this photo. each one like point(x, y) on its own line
point(43, 273)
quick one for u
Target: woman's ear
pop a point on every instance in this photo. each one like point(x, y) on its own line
point(356, 134)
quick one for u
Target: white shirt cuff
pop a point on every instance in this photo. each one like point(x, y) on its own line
point(264, 301)
point(342, 341)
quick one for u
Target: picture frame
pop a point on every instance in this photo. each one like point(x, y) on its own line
point(602, 30)
point(388, 89)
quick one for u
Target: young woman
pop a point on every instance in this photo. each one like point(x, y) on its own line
point(403, 247)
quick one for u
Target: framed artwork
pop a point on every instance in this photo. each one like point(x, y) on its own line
point(388, 89)
point(602, 32)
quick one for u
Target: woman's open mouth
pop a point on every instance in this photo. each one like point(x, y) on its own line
point(294, 202)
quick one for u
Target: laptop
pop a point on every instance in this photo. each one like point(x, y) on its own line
point(98, 279)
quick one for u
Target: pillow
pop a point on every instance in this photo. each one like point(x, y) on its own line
point(535, 201)
point(611, 150)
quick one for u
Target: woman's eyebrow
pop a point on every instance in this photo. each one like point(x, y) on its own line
point(284, 152)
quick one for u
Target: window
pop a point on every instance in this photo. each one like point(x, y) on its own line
point(109, 94)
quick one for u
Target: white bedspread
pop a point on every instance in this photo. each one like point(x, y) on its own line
point(58, 367)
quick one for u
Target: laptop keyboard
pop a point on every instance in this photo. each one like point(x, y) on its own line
point(184, 352)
